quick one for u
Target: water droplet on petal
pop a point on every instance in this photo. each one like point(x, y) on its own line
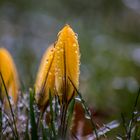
point(74, 44)
point(58, 57)
point(76, 35)
point(61, 50)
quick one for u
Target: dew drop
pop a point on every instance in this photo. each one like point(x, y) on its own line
point(135, 112)
point(119, 138)
point(57, 48)
point(78, 99)
point(76, 35)
point(60, 42)
point(87, 116)
point(74, 44)
point(76, 52)
point(61, 50)
point(56, 73)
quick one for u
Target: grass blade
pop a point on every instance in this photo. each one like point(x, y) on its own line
point(133, 115)
point(86, 109)
point(32, 117)
point(12, 113)
point(44, 133)
point(0, 120)
point(52, 114)
point(70, 114)
point(27, 130)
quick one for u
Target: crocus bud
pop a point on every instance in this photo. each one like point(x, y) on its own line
point(10, 78)
point(67, 60)
point(45, 79)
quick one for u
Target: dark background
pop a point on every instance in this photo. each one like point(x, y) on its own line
point(109, 38)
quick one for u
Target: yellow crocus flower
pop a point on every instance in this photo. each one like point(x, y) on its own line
point(67, 60)
point(59, 67)
point(45, 79)
point(10, 77)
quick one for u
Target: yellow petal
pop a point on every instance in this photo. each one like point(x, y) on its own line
point(67, 59)
point(45, 78)
point(9, 73)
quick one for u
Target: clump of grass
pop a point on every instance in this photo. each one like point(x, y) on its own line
point(132, 126)
point(28, 116)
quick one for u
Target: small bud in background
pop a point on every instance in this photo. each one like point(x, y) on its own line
point(10, 77)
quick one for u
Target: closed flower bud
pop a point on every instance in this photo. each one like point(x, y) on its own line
point(45, 79)
point(10, 77)
point(67, 60)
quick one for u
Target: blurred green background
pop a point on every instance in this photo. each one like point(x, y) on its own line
point(109, 38)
